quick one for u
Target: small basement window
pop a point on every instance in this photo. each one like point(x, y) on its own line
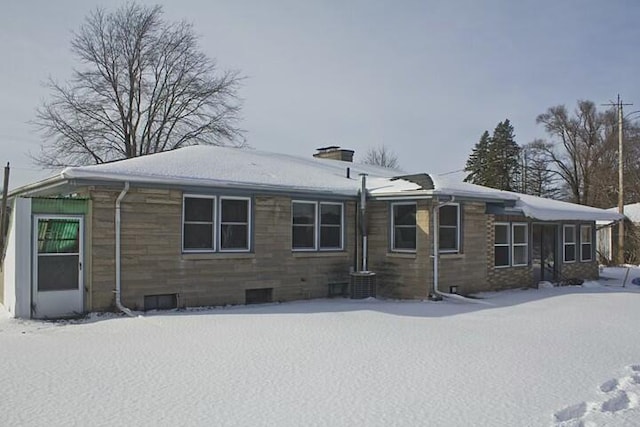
point(258, 296)
point(160, 302)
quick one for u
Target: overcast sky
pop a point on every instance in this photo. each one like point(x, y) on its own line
point(425, 78)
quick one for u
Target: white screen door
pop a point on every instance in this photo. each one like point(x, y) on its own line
point(57, 269)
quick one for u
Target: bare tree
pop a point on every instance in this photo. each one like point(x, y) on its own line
point(144, 87)
point(381, 156)
point(539, 178)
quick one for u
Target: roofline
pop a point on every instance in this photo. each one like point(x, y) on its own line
point(43, 184)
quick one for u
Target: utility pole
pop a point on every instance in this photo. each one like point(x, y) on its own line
point(3, 212)
point(619, 105)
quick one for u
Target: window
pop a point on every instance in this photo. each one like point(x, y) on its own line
point(198, 223)
point(511, 244)
point(317, 225)
point(569, 242)
point(520, 244)
point(586, 247)
point(501, 245)
point(203, 231)
point(234, 224)
point(330, 226)
point(403, 227)
point(449, 236)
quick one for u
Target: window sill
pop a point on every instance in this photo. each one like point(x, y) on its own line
point(217, 255)
point(450, 256)
point(319, 254)
point(407, 255)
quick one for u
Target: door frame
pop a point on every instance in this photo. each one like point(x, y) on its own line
point(79, 298)
point(556, 248)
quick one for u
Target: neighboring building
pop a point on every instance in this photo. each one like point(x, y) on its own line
point(607, 237)
point(209, 225)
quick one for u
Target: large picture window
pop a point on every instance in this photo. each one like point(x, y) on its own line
point(569, 243)
point(203, 230)
point(317, 226)
point(449, 228)
point(403, 227)
point(586, 245)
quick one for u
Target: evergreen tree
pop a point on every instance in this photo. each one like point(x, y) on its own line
point(504, 158)
point(495, 160)
point(477, 161)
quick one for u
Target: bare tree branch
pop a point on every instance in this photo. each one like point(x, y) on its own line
point(143, 87)
point(381, 156)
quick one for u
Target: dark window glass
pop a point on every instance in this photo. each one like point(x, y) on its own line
point(198, 236)
point(448, 238)
point(405, 238)
point(502, 234)
point(449, 215)
point(520, 255)
point(404, 214)
point(198, 209)
point(234, 224)
point(304, 225)
point(303, 237)
point(569, 253)
point(330, 226)
point(501, 256)
point(304, 213)
point(404, 226)
point(58, 236)
point(235, 210)
point(569, 234)
point(519, 234)
point(234, 236)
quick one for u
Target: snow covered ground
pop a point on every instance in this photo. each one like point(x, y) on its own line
point(561, 356)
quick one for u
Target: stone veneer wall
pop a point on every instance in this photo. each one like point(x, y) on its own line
point(153, 262)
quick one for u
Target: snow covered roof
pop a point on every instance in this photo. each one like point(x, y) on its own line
point(226, 167)
point(631, 211)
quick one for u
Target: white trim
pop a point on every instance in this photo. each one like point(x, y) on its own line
point(507, 245)
point(457, 227)
point(213, 227)
point(314, 225)
point(565, 244)
point(525, 244)
point(218, 227)
point(61, 297)
point(590, 243)
point(393, 228)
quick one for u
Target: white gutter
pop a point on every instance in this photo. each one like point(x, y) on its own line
point(119, 304)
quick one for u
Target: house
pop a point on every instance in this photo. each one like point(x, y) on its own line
point(607, 237)
point(206, 225)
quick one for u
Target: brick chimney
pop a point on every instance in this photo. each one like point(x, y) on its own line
point(334, 153)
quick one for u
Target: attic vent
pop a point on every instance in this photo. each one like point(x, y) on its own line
point(160, 302)
point(334, 152)
point(421, 179)
point(258, 296)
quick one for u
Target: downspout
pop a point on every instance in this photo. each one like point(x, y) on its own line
point(436, 257)
point(119, 304)
point(436, 247)
point(363, 223)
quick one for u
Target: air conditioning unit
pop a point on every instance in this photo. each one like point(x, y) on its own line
point(363, 284)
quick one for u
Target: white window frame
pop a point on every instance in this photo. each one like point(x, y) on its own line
point(565, 244)
point(457, 227)
point(525, 244)
point(317, 226)
point(248, 223)
point(590, 243)
point(393, 227)
point(213, 222)
point(502, 245)
point(319, 216)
